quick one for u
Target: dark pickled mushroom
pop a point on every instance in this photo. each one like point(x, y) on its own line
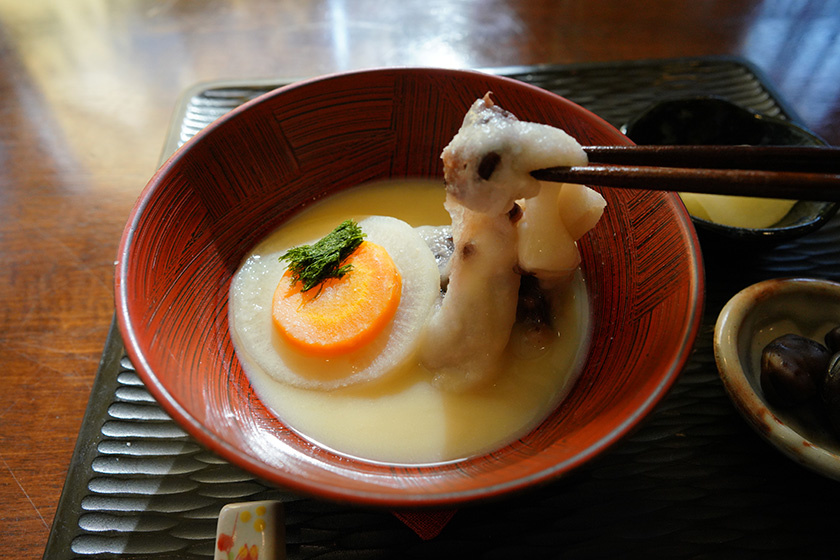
point(793, 369)
point(830, 392)
point(832, 339)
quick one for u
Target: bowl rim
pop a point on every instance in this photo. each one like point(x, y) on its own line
point(758, 414)
point(196, 429)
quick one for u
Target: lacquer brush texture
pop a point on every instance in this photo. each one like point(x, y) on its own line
point(242, 176)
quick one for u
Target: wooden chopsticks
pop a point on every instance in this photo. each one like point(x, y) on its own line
point(795, 172)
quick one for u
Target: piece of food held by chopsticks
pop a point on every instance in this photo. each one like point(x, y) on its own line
point(505, 224)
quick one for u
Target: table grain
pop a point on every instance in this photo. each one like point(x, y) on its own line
point(87, 90)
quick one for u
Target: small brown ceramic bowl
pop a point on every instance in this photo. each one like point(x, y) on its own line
point(748, 322)
point(248, 172)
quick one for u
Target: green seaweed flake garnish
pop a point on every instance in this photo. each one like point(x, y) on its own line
point(312, 264)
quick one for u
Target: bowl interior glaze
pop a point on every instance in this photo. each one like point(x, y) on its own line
point(245, 174)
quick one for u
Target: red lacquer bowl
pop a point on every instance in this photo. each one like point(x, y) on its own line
point(246, 173)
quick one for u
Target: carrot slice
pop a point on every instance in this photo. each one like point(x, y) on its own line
point(342, 314)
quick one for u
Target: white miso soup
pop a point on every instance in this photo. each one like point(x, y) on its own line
point(401, 417)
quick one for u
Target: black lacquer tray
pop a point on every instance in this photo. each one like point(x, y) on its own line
point(693, 482)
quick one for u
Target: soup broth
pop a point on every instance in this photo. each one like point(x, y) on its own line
point(402, 417)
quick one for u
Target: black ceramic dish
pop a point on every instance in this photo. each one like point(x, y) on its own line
point(716, 121)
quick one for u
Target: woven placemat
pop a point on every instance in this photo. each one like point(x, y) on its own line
point(693, 482)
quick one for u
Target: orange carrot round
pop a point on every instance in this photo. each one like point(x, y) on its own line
point(341, 314)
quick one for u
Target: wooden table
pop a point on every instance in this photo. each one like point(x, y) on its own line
point(88, 89)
